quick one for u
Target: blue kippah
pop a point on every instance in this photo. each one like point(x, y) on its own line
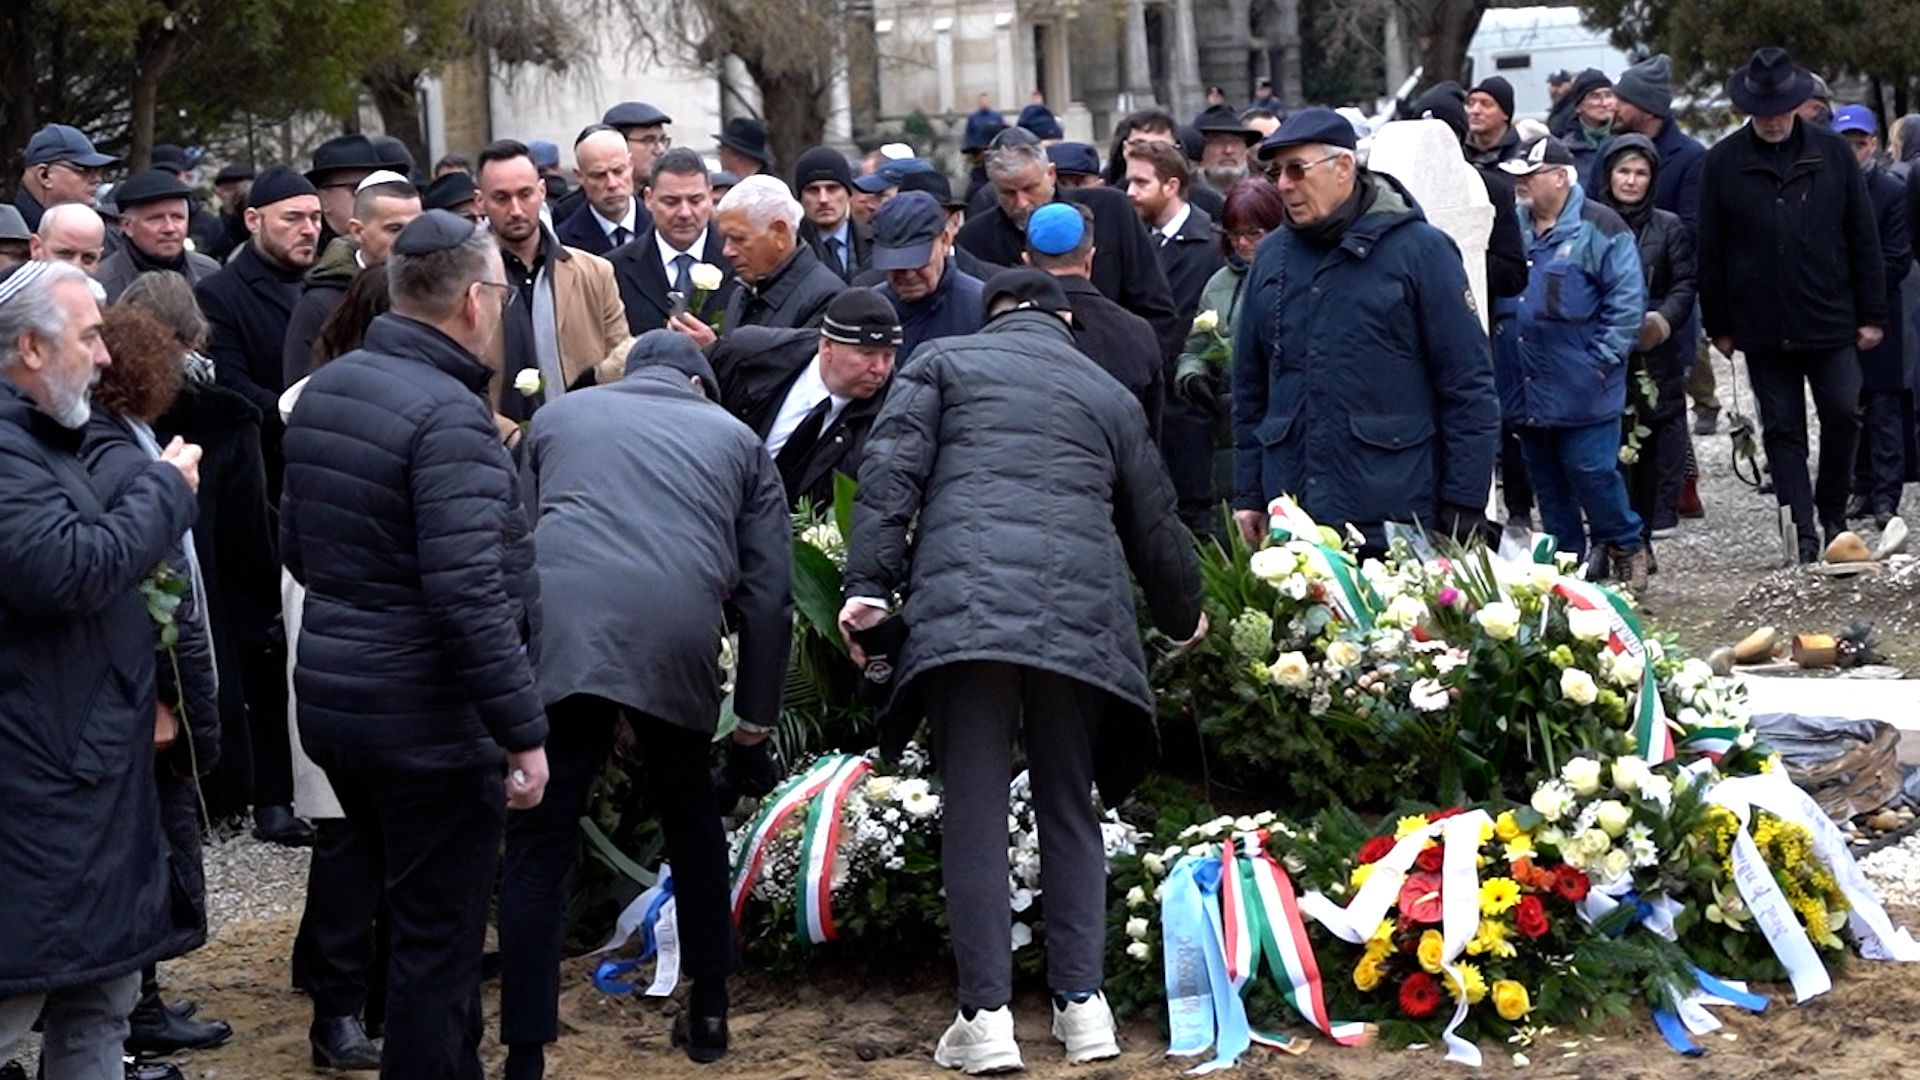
point(1055, 228)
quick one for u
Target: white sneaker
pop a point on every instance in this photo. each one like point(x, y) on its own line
point(1086, 1028)
point(984, 1044)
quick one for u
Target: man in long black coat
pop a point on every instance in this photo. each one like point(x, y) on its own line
point(654, 510)
point(1060, 241)
point(1880, 465)
point(87, 899)
point(414, 688)
point(1030, 485)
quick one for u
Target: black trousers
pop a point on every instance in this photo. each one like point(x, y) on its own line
point(340, 955)
point(1880, 466)
point(1780, 384)
point(1654, 482)
point(1516, 487)
point(436, 838)
point(1186, 441)
point(265, 681)
point(543, 844)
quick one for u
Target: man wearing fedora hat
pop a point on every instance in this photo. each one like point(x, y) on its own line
point(1223, 163)
point(1791, 275)
point(743, 147)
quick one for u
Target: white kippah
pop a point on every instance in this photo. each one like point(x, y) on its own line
point(380, 176)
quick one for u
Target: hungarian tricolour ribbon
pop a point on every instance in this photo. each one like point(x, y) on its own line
point(1652, 734)
point(1350, 595)
point(813, 909)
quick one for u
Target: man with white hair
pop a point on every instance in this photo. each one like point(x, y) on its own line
point(609, 215)
point(86, 900)
point(783, 284)
point(70, 233)
point(1560, 357)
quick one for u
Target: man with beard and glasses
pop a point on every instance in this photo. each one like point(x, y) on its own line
point(1228, 142)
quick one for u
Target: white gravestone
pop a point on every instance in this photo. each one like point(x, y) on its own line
point(1425, 157)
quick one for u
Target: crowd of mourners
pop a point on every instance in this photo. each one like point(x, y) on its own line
point(381, 506)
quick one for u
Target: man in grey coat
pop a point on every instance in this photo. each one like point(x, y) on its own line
point(1034, 485)
point(654, 509)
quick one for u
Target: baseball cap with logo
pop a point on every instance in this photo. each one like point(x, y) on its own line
point(1849, 118)
point(1545, 152)
point(904, 231)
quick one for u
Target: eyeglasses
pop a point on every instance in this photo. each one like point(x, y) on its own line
point(91, 176)
point(508, 294)
point(1296, 171)
point(657, 142)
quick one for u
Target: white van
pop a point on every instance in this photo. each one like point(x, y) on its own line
point(1525, 45)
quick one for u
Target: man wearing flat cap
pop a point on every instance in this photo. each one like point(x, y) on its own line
point(60, 166)
point(1030, 486)
point(456, 193)
point(645, 129)
point(1362, 381)
point(153, 222)
point(1076, 165)
point(403, 521)
point(631, 637)
point(824, 182)
point(230, 187)
point(914, 249)
point(811, 395)
point(1791, 275)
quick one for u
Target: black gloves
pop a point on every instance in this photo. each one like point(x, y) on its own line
point(1195, 383)
point(1465, 524)
point(751, 771)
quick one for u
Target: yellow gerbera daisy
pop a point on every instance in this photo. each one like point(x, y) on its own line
point(1498, 895)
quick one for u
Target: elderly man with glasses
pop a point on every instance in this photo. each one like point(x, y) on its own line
point(1362, 383)
point(60, 166)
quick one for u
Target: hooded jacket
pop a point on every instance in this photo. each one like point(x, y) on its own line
point(1362, 383)
point(1666, 263)
point(320, 293)
point(1560, 349)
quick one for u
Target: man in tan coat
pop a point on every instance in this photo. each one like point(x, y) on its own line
point(563, 310)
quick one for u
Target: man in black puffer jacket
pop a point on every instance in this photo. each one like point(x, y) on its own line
point(414, 687)
point(1034, 485)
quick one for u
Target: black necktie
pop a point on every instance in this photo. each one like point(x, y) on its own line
point(793, 456)
point(683, 275)
point(838, 250)
point(620, 235)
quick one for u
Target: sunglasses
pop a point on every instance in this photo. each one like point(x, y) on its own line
point(1296, 171)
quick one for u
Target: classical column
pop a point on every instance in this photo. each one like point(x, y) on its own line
point(1004, 61)
point(1184, 71)
point(1138, 88)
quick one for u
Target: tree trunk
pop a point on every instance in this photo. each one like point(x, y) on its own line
point(395, 96)
point(1287, 38)
point(154, 55)
point(19, 75)
point(793, 105)
point(863, 69)
point(1443, 28)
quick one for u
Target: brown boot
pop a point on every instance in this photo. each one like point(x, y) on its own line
point(1631, 568)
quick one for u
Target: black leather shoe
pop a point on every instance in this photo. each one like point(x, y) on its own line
point(153, 1070)
point(277, 825)
point(184, 1009)
point(154, 1029)
point(705, 1037)
point(339, 1042)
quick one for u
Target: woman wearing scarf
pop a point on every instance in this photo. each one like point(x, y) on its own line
point(1253, 209)
point(1625, 182)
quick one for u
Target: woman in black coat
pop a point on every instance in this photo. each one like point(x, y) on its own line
point(119, 445)
point(1625, 181)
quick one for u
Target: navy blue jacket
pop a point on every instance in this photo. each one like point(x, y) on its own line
point(952, 309)
point(1560, 348)
point(1362, 382)
point(1682, 163)
point(402, 520)
point(1884, 366)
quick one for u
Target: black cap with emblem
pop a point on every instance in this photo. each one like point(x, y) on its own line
point(433, 232)
point(862, 317)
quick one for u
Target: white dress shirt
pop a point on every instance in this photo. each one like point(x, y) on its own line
point(802, 396)
point(1172, 228)
point(607, 226)
point(668, 253)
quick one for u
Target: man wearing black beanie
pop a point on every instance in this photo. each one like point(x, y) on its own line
point(1490, 135)
point(824, 182)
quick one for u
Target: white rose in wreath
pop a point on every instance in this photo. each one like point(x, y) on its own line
point(1137, 928)
point(1551, 801)
point(706, 277)
point(1616, 864)
point(1500, 620)
point(1272, 565)
point(1588, 625)
point(527, 382)
point(1629, 773)
point(1343, 654)
point(1582, 774)
point(1579, 688)
point(1139, 950)
point(1292, 670)
point(1613, 816)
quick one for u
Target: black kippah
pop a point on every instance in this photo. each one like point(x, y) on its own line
point(275, 184)
point(432, 232)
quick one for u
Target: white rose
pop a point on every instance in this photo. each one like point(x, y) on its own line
point(1428, 695)
point(1500, 620)
point(1541, 576)
point(1407, 611)
point(1626, 670)
point(1658, 788)
point(1343, 654)
point(1552, 800)
point(706, 277)
point(1139, 950)
point(1022, 936)
point(1588, 626)
point(1582, 774)
point(1616, 864)
point(1629, 773)
point(1137, 928)
point(1136, 896)
point(1153, 864)
point(1272, 565)
point(1594, 843)
point(527, 382)
point(1579, 688)
point(1292, 671)
point(1206, 322)
point(1613, 816)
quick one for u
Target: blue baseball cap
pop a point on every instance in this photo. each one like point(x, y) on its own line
point(1311, 125)
point(905, 229)
point(1855, 118)
point(1055, 228)
point(890, 173)
point(60, 142)
point(545, 155)
point(1074, 157)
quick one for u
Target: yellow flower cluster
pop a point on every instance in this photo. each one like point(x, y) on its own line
point(1810, 890)
point(1467, 980)
point(1491, 938)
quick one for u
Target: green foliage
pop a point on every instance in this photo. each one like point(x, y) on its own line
point(1708, 39)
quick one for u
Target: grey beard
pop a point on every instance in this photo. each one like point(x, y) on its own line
point(70, 407)
point(1223, 177)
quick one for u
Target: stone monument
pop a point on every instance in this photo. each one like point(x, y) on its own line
point(1425, 157)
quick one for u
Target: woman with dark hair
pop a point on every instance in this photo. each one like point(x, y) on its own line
point(119, 445)
point(1624, 178)
point(1253, 209)
point(346, 328)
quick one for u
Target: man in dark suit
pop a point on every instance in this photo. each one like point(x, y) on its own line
point(824, 182)
point(813, 394)
point(660, 264)
point(247, 304)
point(1060, 241)
point(609, 215)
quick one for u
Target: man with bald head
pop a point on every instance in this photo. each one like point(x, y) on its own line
point(70, 233)
point(608, 215)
